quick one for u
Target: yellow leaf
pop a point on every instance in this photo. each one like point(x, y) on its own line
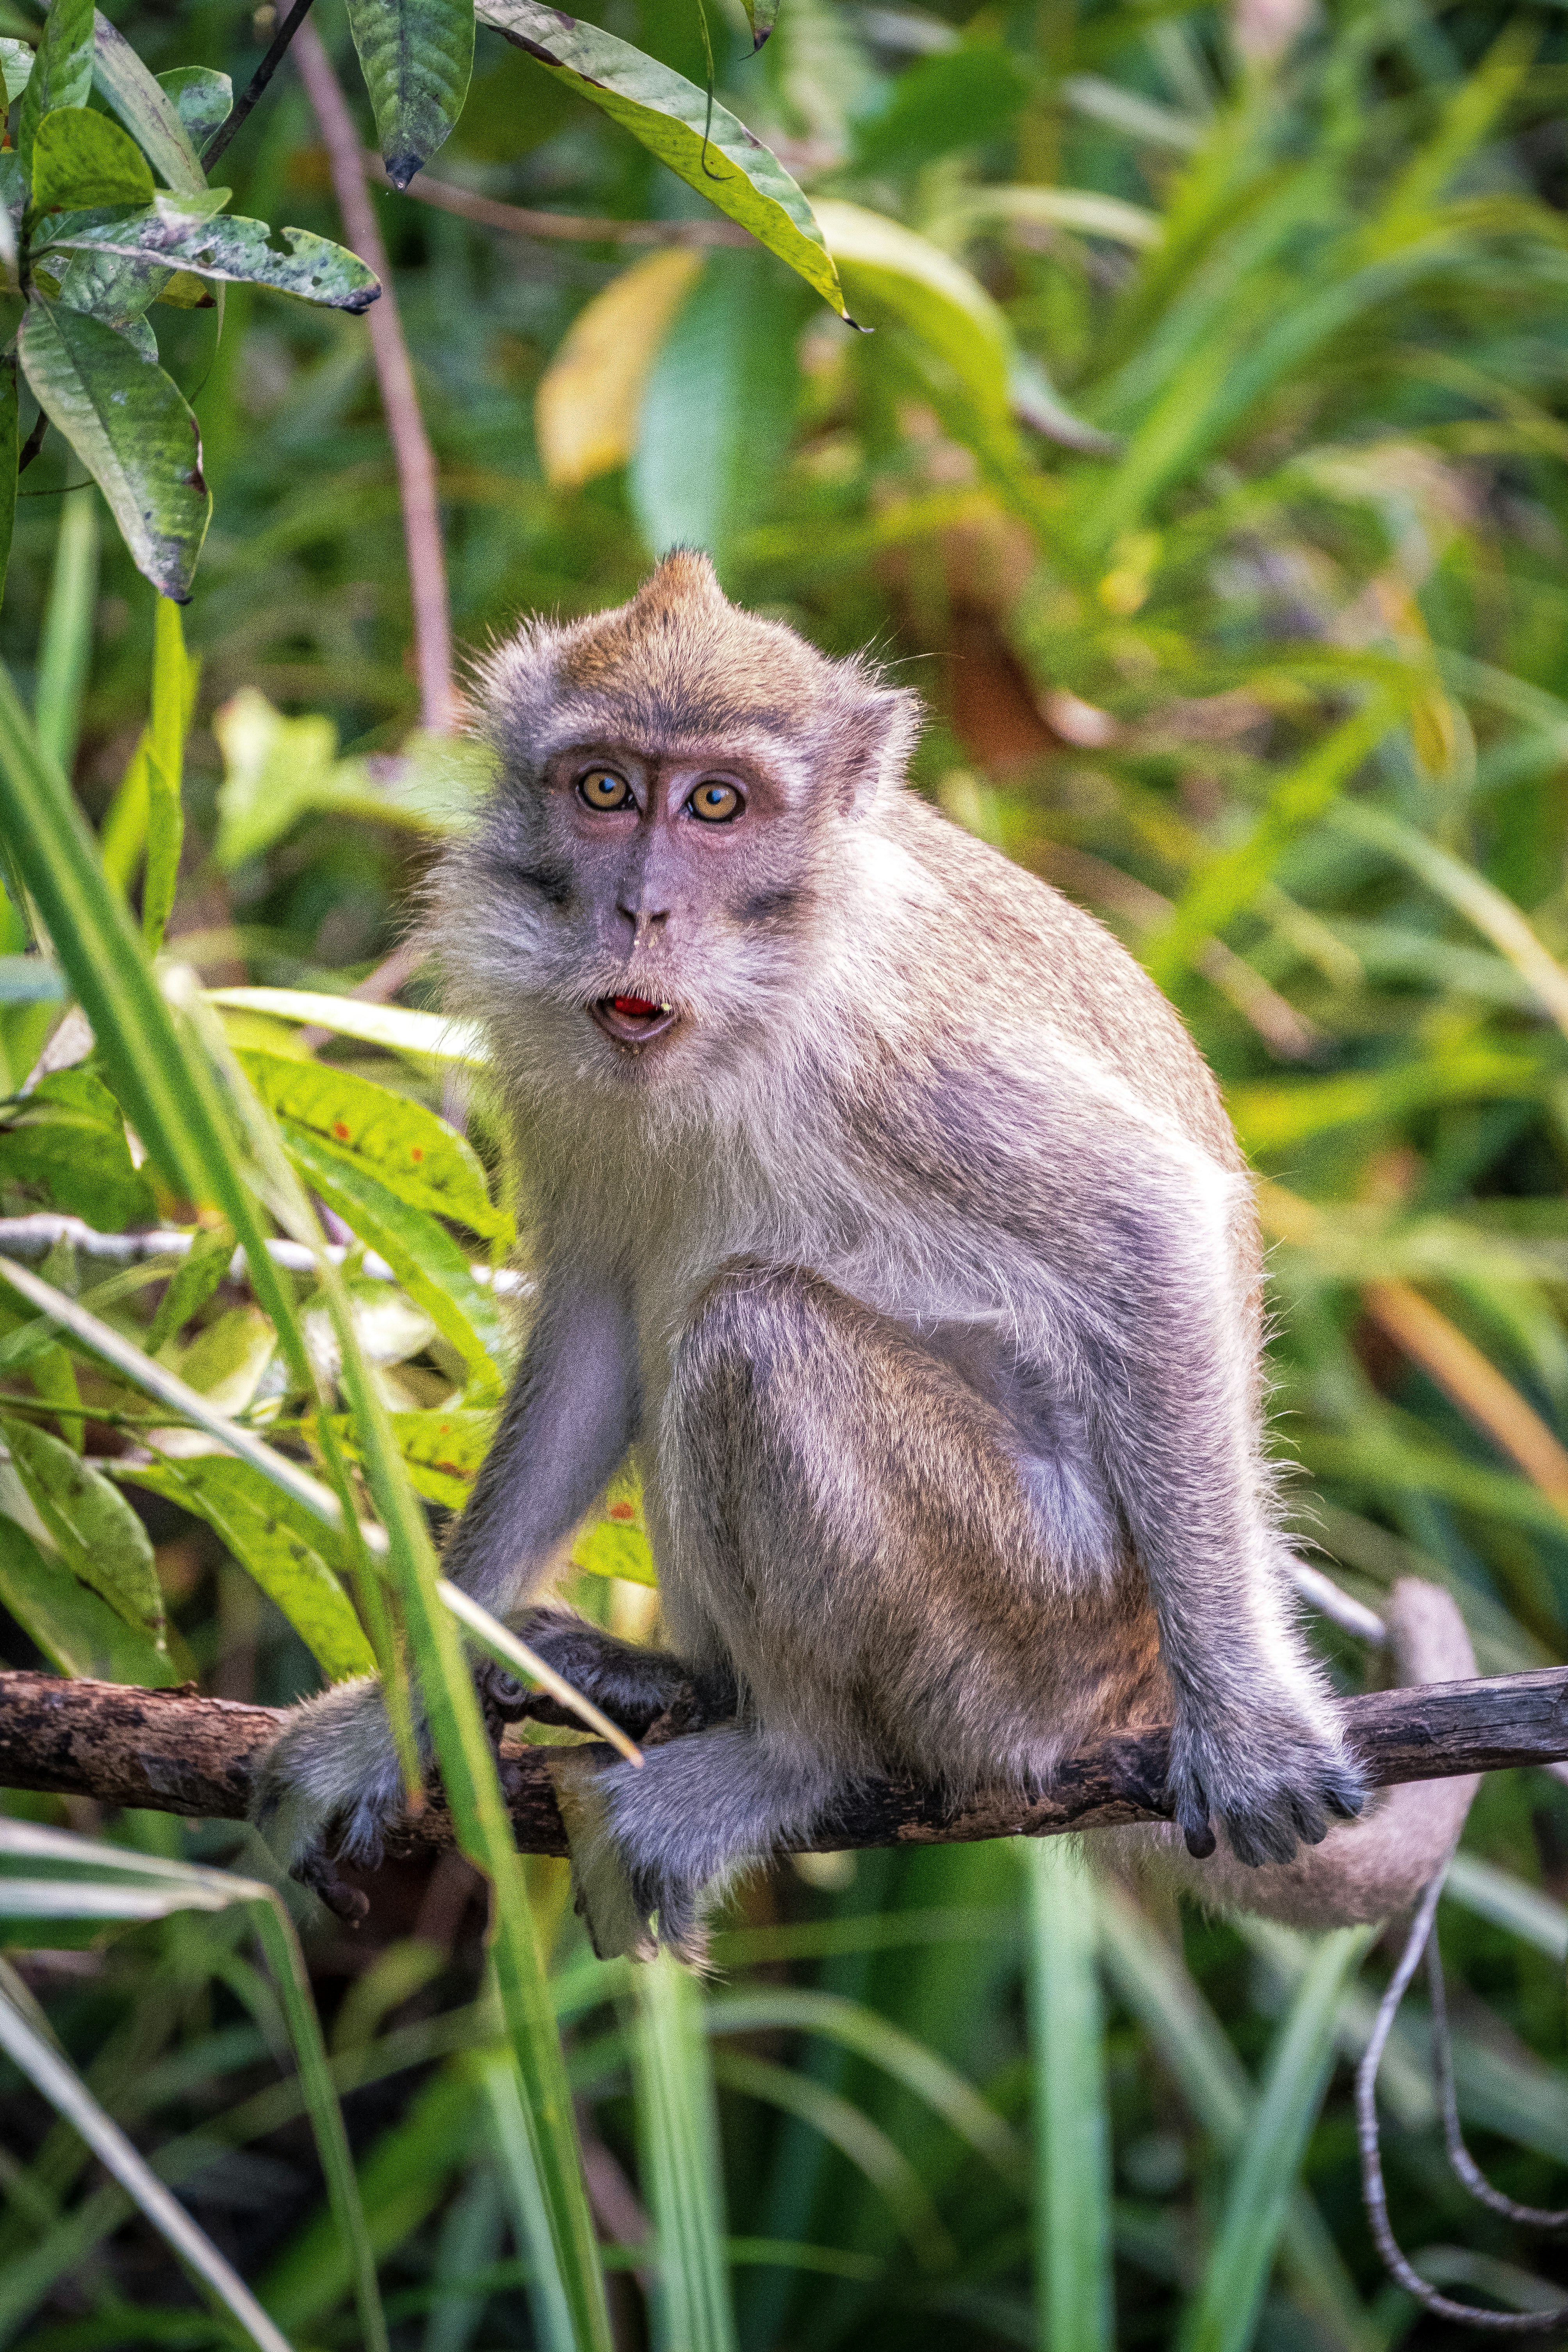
point(585, 410)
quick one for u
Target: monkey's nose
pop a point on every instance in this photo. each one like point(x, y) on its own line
point(645, 920)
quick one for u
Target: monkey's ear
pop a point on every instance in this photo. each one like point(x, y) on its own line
point(872, 742)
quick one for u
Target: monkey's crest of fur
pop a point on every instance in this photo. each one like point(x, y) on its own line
point(681, 665)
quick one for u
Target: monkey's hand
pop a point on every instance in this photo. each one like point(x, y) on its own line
point(1272, 1770)
point(635, 1688)
point(331, 1782)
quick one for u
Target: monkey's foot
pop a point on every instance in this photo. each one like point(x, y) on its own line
point(629, 1912)
point(1274, 1780)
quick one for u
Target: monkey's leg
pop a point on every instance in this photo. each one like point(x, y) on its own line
point(853, 1523)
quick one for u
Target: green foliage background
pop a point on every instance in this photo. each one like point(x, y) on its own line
point(1206, 471)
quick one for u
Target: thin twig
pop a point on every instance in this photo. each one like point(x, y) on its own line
point(28, 1240)
point(519, 220)
point(399, 400)
point(1375, 2196)
point(257, 84)
point(1530, 2217)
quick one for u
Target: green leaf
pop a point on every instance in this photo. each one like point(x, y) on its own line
point(277, 1544)
point(422, 1254)
point(228, 1359)
point(148, 112)
point(733, 169)
point(76, 1631)
point(62, 69)
point(191, 1284)
point(430, 1036)
point(408, 1149)
point(8, 455)
point(416, 57)
point(762, 16)
point(100, 1538)
point(443, 1450)
point(892, 273)
point(956, 99)
point(15, 68)
point(204, 100)
point(174, 693)
point(131, 427)
point(81, 159)
point(715, 418)
point(68, 1138)
point(617, 1544)
point(172, 231)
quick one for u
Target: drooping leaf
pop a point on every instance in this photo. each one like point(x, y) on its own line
point(62, 69)
point(132, 427)
point(277, 1544)
point(408, 1149)
point(101, 1538)
point(204, 100)
point(290, 260)
point(670, 116)
point(148, 110)
point(118, 291)
point(716, 415)
point(416, 57)
point(15, 68)
point(69, 1138)
point(225, 1363)
point(762, 16)
point(81, 159)
point(589, 399)
point(421, 1252)
point(74, 1630)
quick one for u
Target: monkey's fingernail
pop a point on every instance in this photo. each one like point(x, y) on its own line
point(1201, 1843)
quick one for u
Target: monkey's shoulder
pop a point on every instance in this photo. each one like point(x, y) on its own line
point(1042, 983)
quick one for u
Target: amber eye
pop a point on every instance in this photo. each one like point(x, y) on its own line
point(716, 803)
point(603, 788)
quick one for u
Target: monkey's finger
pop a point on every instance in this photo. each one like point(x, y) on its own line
point(349, 1904)
point(1200, 1839)
point(1345, 1796)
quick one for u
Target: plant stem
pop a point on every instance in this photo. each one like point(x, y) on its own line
point(257, 84)
point(400, 402)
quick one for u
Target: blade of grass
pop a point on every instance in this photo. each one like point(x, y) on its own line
point(1072, 2126)
point(65, 652)
point(1223, 2314)
point(677, 2138)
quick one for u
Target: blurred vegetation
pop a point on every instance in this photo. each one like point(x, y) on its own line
point(1206, 473)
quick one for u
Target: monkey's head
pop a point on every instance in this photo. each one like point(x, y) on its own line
point(680, 788)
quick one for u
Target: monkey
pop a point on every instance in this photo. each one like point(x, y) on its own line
point(887, 1214)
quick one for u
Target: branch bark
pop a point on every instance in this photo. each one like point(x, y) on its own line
point(176, 1753)
point(395, 372)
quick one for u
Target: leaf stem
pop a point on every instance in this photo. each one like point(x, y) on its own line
point(400, 402)
point(257, 84)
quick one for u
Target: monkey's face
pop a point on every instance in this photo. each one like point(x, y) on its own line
point(649, 902)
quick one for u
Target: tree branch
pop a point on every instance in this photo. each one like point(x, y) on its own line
point(399, 400)
point(176, 1753)
point(574, 228)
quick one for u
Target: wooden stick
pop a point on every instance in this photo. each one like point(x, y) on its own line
point(575, 228)
point(176, 1753)
point(395, 372)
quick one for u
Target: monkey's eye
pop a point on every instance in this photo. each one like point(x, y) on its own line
point(716, 803)
point(601, 788)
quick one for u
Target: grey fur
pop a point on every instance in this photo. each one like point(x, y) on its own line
point(916, 1262)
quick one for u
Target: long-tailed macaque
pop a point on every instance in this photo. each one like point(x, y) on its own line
point(886, 1213)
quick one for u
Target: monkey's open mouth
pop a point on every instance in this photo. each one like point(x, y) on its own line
point(633, 1020)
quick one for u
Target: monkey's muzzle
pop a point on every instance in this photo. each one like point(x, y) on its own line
point(633, 1020)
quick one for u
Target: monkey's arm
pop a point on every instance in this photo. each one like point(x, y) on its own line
point(568, 1419)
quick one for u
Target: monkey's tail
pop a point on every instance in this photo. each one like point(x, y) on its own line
point(1366, 1869)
